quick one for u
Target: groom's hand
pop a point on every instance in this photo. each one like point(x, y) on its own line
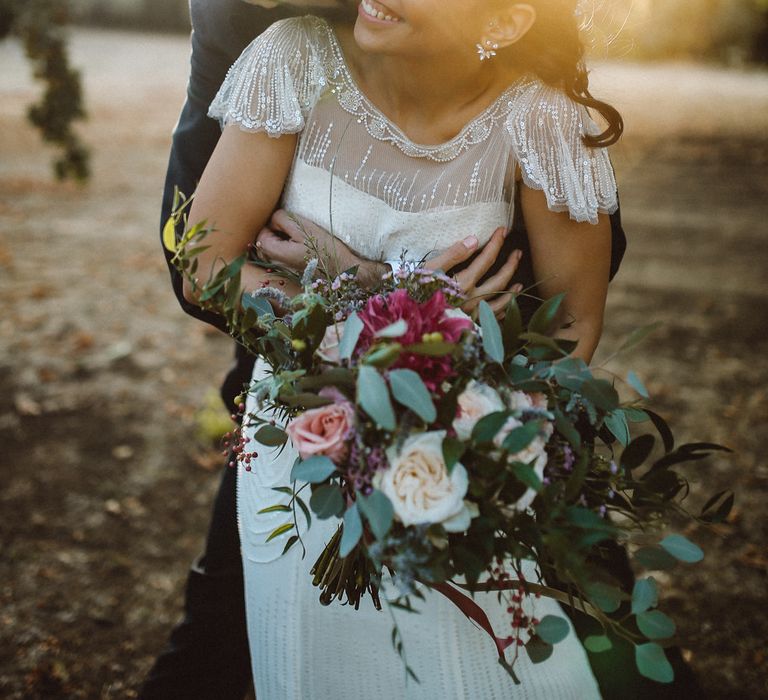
point(285, 240)
point(496, 290)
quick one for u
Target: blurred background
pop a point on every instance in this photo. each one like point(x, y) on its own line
point(109, 418)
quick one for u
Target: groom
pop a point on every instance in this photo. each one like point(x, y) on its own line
point(207, 655)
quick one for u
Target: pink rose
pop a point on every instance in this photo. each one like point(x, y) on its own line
point(324, 430)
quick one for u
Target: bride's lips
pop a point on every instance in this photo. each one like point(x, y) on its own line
point(376, 12)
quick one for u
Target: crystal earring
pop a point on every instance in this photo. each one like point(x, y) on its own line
point(486, 50)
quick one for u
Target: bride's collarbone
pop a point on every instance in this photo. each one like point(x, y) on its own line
point(419, 123)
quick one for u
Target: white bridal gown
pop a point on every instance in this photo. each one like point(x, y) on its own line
point(356, 174)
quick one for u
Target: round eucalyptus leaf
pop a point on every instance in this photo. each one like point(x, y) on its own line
point(652, 663)
point(552, 629)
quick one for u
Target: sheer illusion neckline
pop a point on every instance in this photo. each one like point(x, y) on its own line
point(355, 102)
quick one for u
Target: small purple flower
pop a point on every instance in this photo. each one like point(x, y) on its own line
point(614, 467)
point(568, 458)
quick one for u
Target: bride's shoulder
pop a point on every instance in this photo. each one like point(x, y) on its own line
point(547, 129)
point(277, 78)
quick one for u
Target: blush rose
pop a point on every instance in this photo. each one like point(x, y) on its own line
point(324, 430)
point(420, 488)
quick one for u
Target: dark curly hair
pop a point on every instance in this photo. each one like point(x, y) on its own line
point(554, 51)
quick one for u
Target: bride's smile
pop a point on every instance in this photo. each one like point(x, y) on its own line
point(377, 13)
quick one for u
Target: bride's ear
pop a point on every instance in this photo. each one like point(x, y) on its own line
point(511, 24)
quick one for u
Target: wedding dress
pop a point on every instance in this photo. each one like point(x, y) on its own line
point(356, 174)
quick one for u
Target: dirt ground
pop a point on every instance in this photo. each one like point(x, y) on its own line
point(105, 487)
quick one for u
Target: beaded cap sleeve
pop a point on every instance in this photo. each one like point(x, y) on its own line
point(275, 82)
point(547, 128)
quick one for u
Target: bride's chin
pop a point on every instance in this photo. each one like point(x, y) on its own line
point(374, 41)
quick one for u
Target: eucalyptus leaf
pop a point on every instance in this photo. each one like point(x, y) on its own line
point(567, 429)
point(350, 334)
point(682, 549)
point(271, 435)
point(601, 393)
point(654, 558)
point(378, 511)
point(353, 530)
point(538, 650)
point(315, 469)
point(383, 355)
point(597, 644)
point(652, 663)
point(606, 597)
point(520, 438)
point(259, 304)
point(552, 629)
point(654, 624)
point(492, 341)
point(327, 501)
point(410, 391)
point(526, 474)
point(373, 396)
point(636, 383)
point(393, 330)
point(453, 449)
point(488, 426)
point(645, 595)
point(616, 422)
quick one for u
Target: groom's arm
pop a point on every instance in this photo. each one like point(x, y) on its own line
point(221, 29)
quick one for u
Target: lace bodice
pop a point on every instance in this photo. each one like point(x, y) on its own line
point(357, 174)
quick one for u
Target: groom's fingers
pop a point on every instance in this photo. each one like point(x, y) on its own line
point(273, 248)
point(454, 255)
point(283, 222)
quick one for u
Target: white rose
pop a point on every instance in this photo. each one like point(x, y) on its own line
point(419, 486)
point(476, 401)
point(536, 450)
point(520, 401)
point(328, 349)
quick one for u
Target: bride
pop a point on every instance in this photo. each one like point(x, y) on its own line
point(427, 121)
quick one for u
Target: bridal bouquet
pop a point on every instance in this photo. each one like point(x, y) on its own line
point(450, 450)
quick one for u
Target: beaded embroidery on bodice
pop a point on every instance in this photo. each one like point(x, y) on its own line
point(358, 173)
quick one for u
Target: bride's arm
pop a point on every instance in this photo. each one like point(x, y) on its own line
point(238, 192)
point(570, 257)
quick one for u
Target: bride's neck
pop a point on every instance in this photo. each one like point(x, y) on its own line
point(419, 91)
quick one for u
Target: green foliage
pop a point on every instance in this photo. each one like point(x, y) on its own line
point(652, 663)
point(39, 24)
point(353, 530)
point(492, 342)
point(373, 397)
point(410, 391)
point(682, 549)
point(315, 469)
point(552, 629)
point(378, 511)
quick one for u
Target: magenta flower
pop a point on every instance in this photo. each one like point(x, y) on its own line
point(422, 319)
